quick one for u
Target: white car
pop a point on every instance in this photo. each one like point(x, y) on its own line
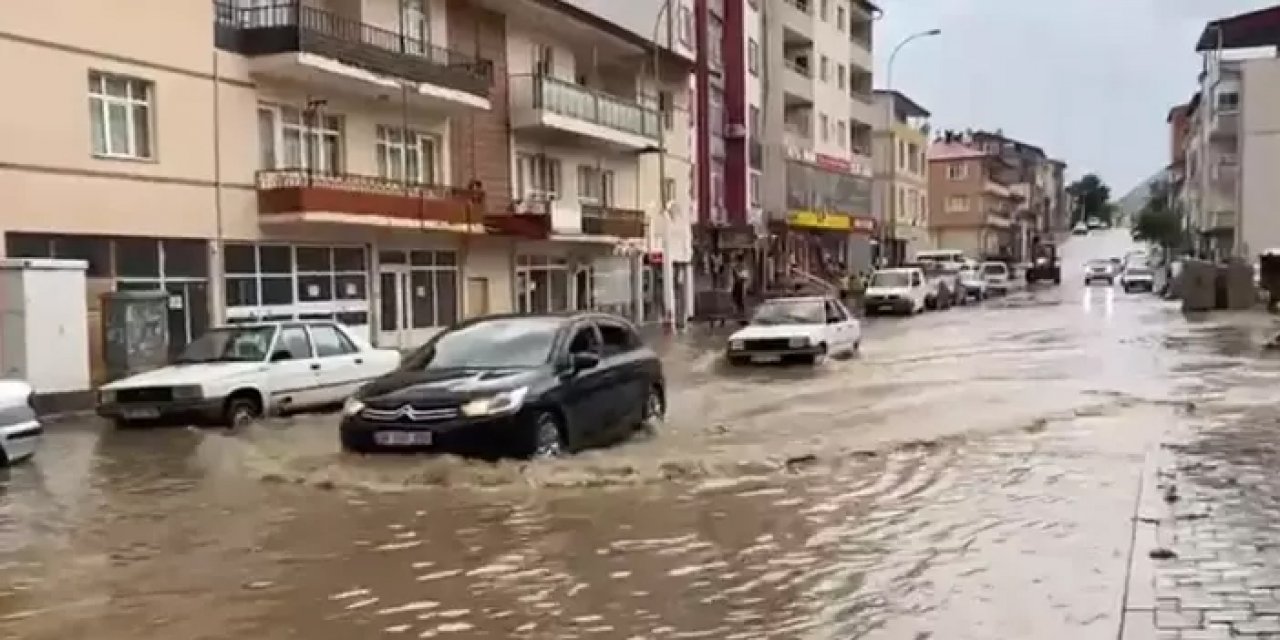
point(809, 328)
point(234, 374)
point(1099, 271)
point(1137, 278)
point(996, 275)
point(901, 290)
point(20, 429)
point(975, 286)
point(1081, 229)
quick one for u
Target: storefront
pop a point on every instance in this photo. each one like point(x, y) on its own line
point(266, 282)
point(417, 295)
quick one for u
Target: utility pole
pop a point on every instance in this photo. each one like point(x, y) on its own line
point(890, 232)
point(665, 206)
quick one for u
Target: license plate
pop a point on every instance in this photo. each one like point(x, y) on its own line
point(885, 307)
point(402, 438)
point(764, 359)
point(141, 413)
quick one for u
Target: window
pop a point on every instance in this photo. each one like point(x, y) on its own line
point(300, 139)
point(957, 204)
point(120, 116)
point(902, 202)
point(330, 342)
point(824, 127)
point(595, 186)
point(667, 106)
point(685, 26)
point(753, 56)
point(715, 39)
point(840, 76)
point(543, 60)
point(1229, 101)
point(823, 9)
point(274, 282)
point(957, 171)
point(753, 122)
point(585, 340)
point(668, 190)
point(407, 156)
point(294, 344)
point(823, 66)
point(537, 176)
point(902, 155)
point(842, 135)
point(617, 338)
point(754, 188)
point(840, 18)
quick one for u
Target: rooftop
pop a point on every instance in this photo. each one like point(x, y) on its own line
point(942, 150)
point(1259, 28)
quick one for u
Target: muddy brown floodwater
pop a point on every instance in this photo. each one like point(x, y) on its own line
point(972, 474)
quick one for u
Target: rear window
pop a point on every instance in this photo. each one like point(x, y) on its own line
point(994, 270)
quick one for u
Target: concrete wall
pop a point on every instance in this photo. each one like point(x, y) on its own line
point(1260, 156)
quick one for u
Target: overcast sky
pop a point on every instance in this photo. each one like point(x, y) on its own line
point(1090, 81)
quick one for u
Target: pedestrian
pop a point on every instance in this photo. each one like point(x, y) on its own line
point(856, 287)
point(739, 289)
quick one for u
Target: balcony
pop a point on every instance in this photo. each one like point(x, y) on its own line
point(1220, 221)
point(529, 218)
point(797, 83)
point(1226, 171)
point(290, 41)
point(611, 221)
point(301, 196)
point(797, 20)
point(1224, 124)
point(551, 108)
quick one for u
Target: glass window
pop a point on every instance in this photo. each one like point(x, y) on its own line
point(240, 258)
point(229, 344)
point(490, 344)
point(120, 116)
point(315, 287)
point(277, 259)
point(348, 259)
point(617, 338)
point(137, 258)
point(95, 251)
point(185, 258)
point(294, 342)
point(314, 259)
point(330, 342)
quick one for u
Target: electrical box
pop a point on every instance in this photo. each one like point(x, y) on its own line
point(135, 331)
point(44, 326)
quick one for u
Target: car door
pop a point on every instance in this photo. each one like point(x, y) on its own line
point(841, 321)
point(621, 349)
point(341, 364)
point(835, 329)
point(293, 372)
point(586, 392)
point(919, 290)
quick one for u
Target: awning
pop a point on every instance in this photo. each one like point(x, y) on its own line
point(1254, 29)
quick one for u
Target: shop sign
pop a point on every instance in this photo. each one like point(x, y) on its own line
point(864, 225)
point(829, 163)
point(819, 220)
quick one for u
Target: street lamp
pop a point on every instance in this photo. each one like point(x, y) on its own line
point(891, 229)
point(665, 208)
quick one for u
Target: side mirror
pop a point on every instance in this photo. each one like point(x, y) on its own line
point(584, 360)
point(281, 355)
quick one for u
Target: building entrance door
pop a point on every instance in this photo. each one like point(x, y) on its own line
point(395, 313)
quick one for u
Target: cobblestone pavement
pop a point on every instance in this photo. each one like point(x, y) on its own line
point(1206, 561)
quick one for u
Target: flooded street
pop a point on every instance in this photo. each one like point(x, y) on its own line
point(972, 474)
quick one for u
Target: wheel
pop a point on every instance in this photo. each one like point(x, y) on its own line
point(548, 436)
point(654, 410)
point(241, 411)
point(817, 358)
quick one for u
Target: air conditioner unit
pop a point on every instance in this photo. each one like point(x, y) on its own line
point(735, 131)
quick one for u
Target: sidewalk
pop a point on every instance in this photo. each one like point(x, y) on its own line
point(1206, 553)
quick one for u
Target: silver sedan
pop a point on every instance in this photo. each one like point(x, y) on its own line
point(20, 429)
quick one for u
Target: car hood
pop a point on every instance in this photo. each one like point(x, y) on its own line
point(766, 331)
point(444, 385)
point(185, 374)
point(889, 291)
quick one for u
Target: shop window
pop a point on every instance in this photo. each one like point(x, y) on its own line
point(315, 287)
point(350, 286)
point(348, 259)
point(276, 259)
point(137, 258)
point(185, 258)
point(240, 258)
point(314, 259)
point(277, 290)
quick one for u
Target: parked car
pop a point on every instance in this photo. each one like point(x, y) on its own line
point(975, 287)
point(996, 274)
point(512, 386)
point(901, 290)
point(20, 429)
point(1099, 271)
point(1095, 223)
point(944, 283)
point(1137, 278)
point(232, 375)
point(1081, 229)
point(809, 328)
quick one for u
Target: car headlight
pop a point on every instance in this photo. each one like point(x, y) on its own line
point(798, 342)
point(497, 404)
point(188, 392)
point(106, 396)
point(351, 407)
point(735, 345)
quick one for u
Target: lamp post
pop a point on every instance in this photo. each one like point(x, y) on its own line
point(665, 207)
point(891, 229)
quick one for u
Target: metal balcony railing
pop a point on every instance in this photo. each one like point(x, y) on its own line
point(584, 103)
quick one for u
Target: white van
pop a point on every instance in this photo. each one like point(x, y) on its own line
point(955, 258)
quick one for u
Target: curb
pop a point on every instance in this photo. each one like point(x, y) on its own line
point(1138, 612)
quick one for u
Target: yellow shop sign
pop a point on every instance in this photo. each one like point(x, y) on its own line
point(820, 220)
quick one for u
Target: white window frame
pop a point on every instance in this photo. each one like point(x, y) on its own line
point(957, 204)
point(824, 67)
point(1235, 99)
point(327, 128)
point(391, 140)
point(753, 56)
point(842, 134)
point(596, 186)
point(840, 76)
point(957, 171)
point(139, 115)
point(824, 127)
point(538, 176)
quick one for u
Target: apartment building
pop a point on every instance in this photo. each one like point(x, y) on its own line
point(971, 203)
point(901, 202)
point(1032, 176)
point(394, 164)
point(809, 88)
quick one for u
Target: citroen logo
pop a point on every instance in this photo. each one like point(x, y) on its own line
point(408, 412)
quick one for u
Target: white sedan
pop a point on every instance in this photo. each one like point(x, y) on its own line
point(234, 374)
point(809, 328)
point(20, 430)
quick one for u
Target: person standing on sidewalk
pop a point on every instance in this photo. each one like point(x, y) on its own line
point(855, 284)
point(738, 289)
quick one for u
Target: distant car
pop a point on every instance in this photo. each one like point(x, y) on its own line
point(975, 287)
point(525, 386)
point(1137, 278)
point(996, 274)
point(1095, 223)
point(901, 290)
point(1099, 271)
point(808, 328)
point(235, 374)
point(1081, 229)
point(20, 429)
point(943, 279)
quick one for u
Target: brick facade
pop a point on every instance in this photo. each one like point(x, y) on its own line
point(479, 143)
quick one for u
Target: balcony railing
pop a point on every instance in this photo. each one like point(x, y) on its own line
point(290, 26)
point(798, 68)
point(610, 221)
point(800, 5)
point(291, 191)
point(590, 105)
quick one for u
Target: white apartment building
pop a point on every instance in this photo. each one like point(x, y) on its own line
point(391, 164)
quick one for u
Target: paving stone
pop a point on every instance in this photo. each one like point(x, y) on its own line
point(1258, 626)
point(1179, 619)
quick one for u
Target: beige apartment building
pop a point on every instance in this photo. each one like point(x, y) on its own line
point(970, 207)
point(901, 175)
point(345, 159)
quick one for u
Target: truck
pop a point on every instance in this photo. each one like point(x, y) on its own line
point(1044, 264)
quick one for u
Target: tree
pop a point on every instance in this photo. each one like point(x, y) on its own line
point(1089, 198)
point(1159, 221)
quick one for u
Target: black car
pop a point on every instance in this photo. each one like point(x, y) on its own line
point(513, 386)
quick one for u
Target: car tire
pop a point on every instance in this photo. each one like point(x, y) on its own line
point(240, 411)
point(546, 436)
point(817, 358)
point(653, 411)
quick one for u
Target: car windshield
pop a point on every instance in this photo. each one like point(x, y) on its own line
point(505, 343)
point(891, 279)
point(790, 312)
point(229, 344)
point(993, 270)
point(1139, 271)
point(1099, 264)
